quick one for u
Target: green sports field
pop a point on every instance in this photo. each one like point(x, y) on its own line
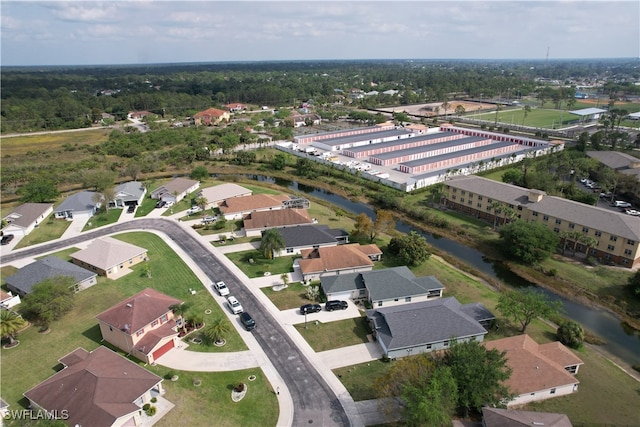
point(537, 117)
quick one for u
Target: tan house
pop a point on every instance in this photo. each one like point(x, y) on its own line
point(617, 234)
point(211, 117)
point(238, 207)
point(175, 190)
point(142, 325)
point(219, 193)
point(256, 222)
point(98, 389)
point(109, 257)
point(539, 371)
point(332, 260)
point(23, 219)
point(496, 417)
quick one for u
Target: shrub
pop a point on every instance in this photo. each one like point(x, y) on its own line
point(154, 399)
point(151, 411)
point(146, 406)
point(571, 334)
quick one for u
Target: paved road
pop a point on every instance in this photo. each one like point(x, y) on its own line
point(314, 401)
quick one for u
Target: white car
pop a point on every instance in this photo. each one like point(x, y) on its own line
point(621, 204)
point(234, 305)
point(194, 209)
point(632, 212)
point(208, 219)
point(222, 288)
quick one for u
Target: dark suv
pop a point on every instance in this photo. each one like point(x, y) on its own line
point(247, 321)
point(7, 238)
point(310, 308)
point(336, 305)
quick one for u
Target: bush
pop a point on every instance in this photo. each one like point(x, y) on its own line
point(571, 334)
point(146, 406)
point(154, 399)
point(151, 411)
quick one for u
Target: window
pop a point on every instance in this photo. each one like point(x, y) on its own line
point(479, 197)
point(463, 192)
point(553, 391)
point(572, 225)
point(470, 202)
point(470, 194)
point(556, 229)
point(407, 299)
point(627, 251)
point(585, 230)
point(631, 242)
point(110, 328)
point(558, 221)
point(379, 303)
point(140, 332)
point(446, 343)
point(534, 213)
point(453, 197)
point(154, 323)
point(611, 248)
point(164, 318)
point(479, 205)
point(519, 208)
point(396, 299)
point(613, 238)
point(455, 190)
point(489, 201)
point(289, 250)
point(461, 199)
point(546, 217)
point(428, 346)
point(598, 233)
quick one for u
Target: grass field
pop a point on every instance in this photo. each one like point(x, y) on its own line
point(21, 145)
point(80, 329)
point(47, 230)
point(537, 117)
point(261, 265)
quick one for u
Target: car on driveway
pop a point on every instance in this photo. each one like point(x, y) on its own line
point(247, 321)
point(209, 219)
point(6, 239)
point(222, 288)
point(632, 212)
point(194, 209)
point(310, 308)
point(336, 305)
point(131, 209)
point(161, 204)
point(621, 204)
point(234, 305)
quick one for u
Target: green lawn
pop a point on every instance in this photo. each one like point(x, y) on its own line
point(358, 379)
point(48, 230)
point(80, 329)
point(292, 297)
point(104, 218)
point(261, 265)
point(147, 205)
point(537, 117)
point(328, 336)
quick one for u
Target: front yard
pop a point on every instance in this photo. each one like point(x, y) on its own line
point(328, 336)
point(254, 264)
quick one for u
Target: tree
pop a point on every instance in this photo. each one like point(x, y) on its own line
point(99, 179)
point(181, 310)
point(363, 226)
point(479, 374)
point(132, 169)
point(49, 300)
point(199, 173)
point(427, 391)
point(216, 330)
point(411, 250)
point(513, 176)
point(384, 223)
point(279, 162)
point(527, 110)
point(634, 283)
point(271, 242)
point(460, 110)
point(571, 334)
point(38, 191)
point(108, 196)
point(528, 242)
point(202, 202)
point(285, 279)
point(524, 305)
point(10, 323)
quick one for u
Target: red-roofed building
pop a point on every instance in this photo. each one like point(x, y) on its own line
point(211, 117)
point(142, 325)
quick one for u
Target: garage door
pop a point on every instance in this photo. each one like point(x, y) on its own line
point(162, 350)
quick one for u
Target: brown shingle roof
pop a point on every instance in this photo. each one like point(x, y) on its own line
point(277, 218)
point(336, 258)
point(138, 311)
point(533, 370)
point(249, 203)
point(95, 388)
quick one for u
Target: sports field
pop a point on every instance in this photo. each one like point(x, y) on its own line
point(537, 117)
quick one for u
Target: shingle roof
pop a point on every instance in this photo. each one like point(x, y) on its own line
point(94, 388)
point(333, 258)
point(138, 311)
point(276, 218)
point(27, 213)
point(107, 252)
point(178, 185)
point(211, 112)
point(495, 417)
point(255, 201)
point(307, 235)
point(221, 192)
point(615, 159)
point(78, 202)
point(129, 191)
point(425, 322)
point(533, 369)
point(44, 269)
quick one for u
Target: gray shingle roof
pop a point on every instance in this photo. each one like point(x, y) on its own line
point(27, 213)
point(129, 191)
point(426, 322)
point(44, 269)
point(78, 202)
point(310, 235)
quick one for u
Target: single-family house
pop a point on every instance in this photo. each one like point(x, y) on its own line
point(23, 219)
point(422, 327)
point(109, 257)
point(497, 417)
point(175, 190)
point(309, 236)
point(539, 371)
point(238, 207)
point(219, 193)
point(138, 114)
point(333, 260)
point(300, 120)
point(8, 300)
point(98, 388)
point(142, 325)
point(23, 281)
point(390, 286)
point(128, 194)
point(256, 222)
point(211, 117)
point(79, 205)
point(235, 107)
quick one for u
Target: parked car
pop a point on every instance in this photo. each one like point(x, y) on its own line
point(234, 305)
point(336, 305)
point(310, 308)
point(168, 204)
point(222, 288)
point(632, 212)
point(621, 204)
point(247, 321)
point(194, 209)
point(131, 209)
point(605, 194)
point(6, 239)
point(208, 219)
point(161, 204)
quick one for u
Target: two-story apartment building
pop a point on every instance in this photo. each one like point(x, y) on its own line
point(617, 235)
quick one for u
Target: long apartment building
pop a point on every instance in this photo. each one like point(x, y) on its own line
point(617, 234)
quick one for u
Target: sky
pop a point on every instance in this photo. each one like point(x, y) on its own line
point(157, 31)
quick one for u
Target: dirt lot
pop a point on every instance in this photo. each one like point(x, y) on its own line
point(429, 110)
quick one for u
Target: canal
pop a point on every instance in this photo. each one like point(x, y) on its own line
point(621, 341)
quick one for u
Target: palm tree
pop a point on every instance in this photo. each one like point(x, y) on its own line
point(216, 330)
point(180, 310)
point(497, 208)
point(10, 324)
point(272, 241)
point(202, 202)
point(527, 110)
point(285, 279)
